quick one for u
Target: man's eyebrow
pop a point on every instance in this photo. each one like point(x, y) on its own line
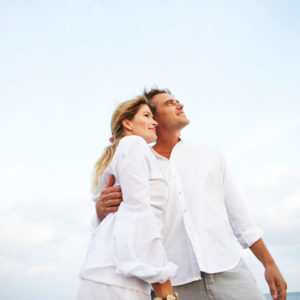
point(168, 100)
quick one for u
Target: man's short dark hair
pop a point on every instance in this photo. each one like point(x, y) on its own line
point(155, 91)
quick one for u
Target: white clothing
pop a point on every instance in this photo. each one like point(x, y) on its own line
point(90, 290)
point(237, 283)
point(126, 249)
point(204, 213)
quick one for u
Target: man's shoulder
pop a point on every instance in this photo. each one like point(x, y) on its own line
point(205, 157)
point(202, 149)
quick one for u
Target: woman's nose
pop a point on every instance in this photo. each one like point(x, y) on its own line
point(155, 123)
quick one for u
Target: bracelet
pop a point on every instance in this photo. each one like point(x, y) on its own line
point(169, 297)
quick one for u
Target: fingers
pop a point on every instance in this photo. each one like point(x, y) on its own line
point(108, 190)
point(111, 181)
point(99, 210)
point(273, 290)
point(282, 287)
point(109, 199)
point(111, 196)
point(110, 203)
point(105, 210)
point(111, 209)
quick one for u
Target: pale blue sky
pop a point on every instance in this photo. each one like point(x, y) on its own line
point(66, 64)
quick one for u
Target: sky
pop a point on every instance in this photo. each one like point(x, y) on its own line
point(66, 64)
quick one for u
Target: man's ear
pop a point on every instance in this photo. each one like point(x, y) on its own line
point(127, 124)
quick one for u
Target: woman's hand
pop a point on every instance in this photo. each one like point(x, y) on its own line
point(162, 290)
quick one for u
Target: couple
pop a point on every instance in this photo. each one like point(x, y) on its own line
point(178, 219)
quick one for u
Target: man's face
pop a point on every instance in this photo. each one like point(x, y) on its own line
point(169, 113)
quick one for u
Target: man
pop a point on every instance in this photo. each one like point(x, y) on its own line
point(203, 215)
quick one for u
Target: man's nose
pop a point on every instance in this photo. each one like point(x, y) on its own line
point(180, 106)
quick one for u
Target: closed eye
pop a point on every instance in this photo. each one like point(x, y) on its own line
point(172, 102)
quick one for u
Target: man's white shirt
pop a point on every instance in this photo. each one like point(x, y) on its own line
point(204, 214)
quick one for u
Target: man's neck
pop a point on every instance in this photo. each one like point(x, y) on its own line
point(165, 143)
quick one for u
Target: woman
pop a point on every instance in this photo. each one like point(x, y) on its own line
point(126, 253)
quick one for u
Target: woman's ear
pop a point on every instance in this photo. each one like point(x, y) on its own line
point(127, 125)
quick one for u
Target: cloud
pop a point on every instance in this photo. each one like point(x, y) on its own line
point(45, 224)
point(20, 232)
point(10, 265)
point(274, 197)
point(264, 137)
point(9, 175)
point(35, 271)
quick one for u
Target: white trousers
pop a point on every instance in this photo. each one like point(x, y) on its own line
point(91, 290)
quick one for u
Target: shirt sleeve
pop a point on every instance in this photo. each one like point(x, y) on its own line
point(137, 239)
point(94, 223)
point(94, 197)
point(242, 224)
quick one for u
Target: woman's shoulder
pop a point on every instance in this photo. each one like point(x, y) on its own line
point(133, 143)
point(133, 148)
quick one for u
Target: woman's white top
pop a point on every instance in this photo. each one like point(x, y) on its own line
point(126, 249)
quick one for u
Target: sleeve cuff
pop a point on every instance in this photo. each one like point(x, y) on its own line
point(149, 273)
point(250, 237)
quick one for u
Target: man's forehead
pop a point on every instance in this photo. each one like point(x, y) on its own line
point(161, 98)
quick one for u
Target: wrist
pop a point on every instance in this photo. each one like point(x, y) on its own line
point(168, 297)
point(269, 263)
point(161, 290)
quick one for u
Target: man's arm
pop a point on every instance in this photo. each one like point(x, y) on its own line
point(109, 199)
point(249, 235)
point(275, 280)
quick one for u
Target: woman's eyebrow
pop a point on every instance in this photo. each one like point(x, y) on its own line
point(148, 112)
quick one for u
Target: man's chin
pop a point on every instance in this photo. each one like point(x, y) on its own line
point(185, 122)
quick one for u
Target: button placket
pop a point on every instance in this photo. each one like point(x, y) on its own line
point(178, 186)
point(186, 217)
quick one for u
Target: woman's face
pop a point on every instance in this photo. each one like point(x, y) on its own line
point(143, 124)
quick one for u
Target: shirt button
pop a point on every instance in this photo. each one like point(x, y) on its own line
point(179, 193)
point(184, 210)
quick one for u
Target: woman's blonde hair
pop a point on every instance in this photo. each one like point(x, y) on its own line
point(124, 111)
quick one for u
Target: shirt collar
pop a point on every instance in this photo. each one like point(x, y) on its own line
point(178, 145)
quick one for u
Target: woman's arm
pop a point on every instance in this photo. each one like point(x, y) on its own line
point(136, 234)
